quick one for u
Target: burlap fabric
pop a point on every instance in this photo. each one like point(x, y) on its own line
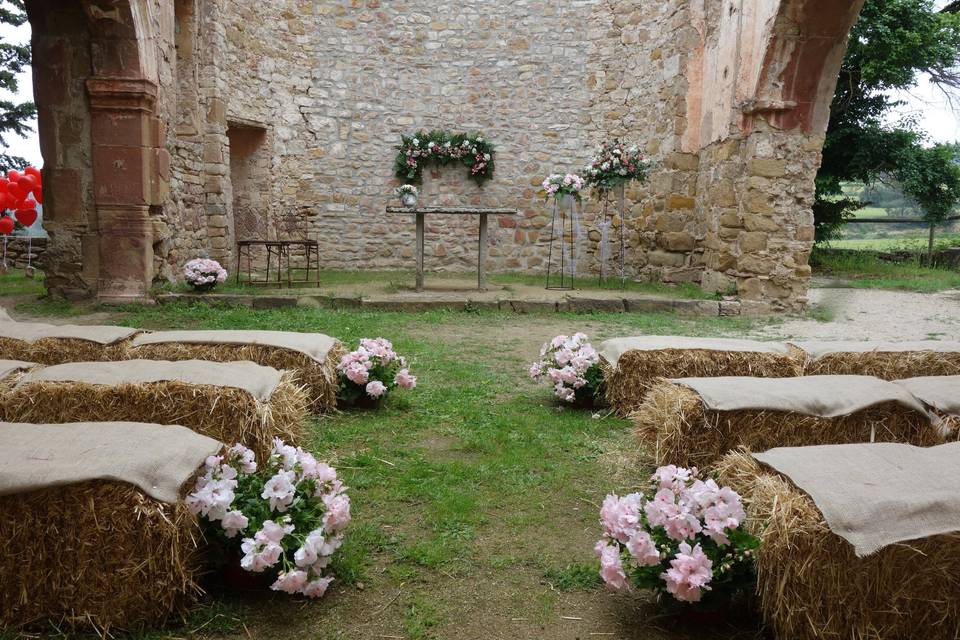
point(33, 331)
point(257, 380)
point(8, 367)
point(820, 396)
point(816, 349)
point(874, 495)
point(938, 392)
point(157, 459)
point(611, 350)
point(314, 345)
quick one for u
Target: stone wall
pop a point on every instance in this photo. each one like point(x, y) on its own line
point(296, 106)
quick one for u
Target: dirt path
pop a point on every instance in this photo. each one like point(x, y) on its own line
point(874, 314)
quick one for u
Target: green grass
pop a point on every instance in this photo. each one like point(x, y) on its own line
point(397, 281)
point(473, 494)
point(914, 242)
point(865, 270)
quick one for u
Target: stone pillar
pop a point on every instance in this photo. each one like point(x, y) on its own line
point(131, 171)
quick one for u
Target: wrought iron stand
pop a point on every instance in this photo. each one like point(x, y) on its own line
point(618, 193)
point(565, 204)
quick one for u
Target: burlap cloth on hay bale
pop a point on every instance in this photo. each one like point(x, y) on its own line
point(632, 365)
point(887, 360)
point(94, 534)
point(313, 356)
point(53, 344)
point(695, 421)
point(818, 510)
point(230, 401)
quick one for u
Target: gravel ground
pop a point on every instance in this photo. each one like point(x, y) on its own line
point(874, 314)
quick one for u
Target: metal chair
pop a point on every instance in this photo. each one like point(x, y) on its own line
point(251, 229)
point(293, 231)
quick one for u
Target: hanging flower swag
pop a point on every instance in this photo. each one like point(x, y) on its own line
point(441, 148)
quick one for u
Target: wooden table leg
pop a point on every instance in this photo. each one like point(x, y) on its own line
point(419, 251)
point(482, 255)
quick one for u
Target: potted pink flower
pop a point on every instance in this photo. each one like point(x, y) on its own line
point(368, 373)
point(572, 365)
point(683, 537)
point(203, 274)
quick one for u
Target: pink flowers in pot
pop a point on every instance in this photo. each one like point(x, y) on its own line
point(683, 537)
point(573, 366)
point(203, 273)
point(287, 518)
point(371, 371)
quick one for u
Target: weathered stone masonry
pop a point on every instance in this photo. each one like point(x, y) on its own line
point(171, 128)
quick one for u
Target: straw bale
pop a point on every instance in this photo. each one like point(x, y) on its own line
point(887, 365)
point(226, 414)
point(61, 350)
point(320, 379)
point(637, 371)
point(811, 585)
point(96, 554)
point(676, 427)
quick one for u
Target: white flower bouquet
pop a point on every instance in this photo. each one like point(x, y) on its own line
point(286, 520)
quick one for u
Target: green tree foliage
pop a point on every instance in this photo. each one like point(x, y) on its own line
point(14, 58)
point(892, 43)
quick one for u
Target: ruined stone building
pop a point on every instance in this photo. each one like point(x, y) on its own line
point(171, 127)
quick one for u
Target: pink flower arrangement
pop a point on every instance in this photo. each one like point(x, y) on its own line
point(204, 273)
point(441, 148)
point(557, 184)
point(287, 518)
point(683, 537)
point(573, 366)
point(616, 163)
point(372, 370)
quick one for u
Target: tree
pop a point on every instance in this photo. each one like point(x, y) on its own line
point(893, 42)
point(14, 118)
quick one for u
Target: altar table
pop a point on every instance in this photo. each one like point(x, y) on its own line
point(483, 212)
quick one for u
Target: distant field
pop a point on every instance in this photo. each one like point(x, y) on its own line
point(899, 242)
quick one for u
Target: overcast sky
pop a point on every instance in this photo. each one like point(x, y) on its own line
point(925, 102)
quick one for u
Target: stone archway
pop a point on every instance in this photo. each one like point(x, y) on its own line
point(757, 109)
point(95, 82)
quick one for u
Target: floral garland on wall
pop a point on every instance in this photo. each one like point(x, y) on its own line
point(440, 148)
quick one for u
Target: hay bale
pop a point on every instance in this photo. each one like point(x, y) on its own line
point(633, 366)
point(811, 584)
point(205, 397)
point(318, 376)
point(97, 554)
point(885, 360)
point(941, 394)
point(10, 371)
point(56, 344)
point(95, 531)
point(678, 427)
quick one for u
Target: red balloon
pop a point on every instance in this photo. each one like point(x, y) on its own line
point(38, 194)
point(13, 175)
point(6, 226)
point(4, 201)
point(15, 190)
point(26, 217)
point(33, 171)
point(27, 183)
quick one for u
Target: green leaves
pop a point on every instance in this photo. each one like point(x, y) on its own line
point(14, 58)
point(440, 148)
point(892, 43)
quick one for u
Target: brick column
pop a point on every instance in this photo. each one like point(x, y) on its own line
point(130, 173)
